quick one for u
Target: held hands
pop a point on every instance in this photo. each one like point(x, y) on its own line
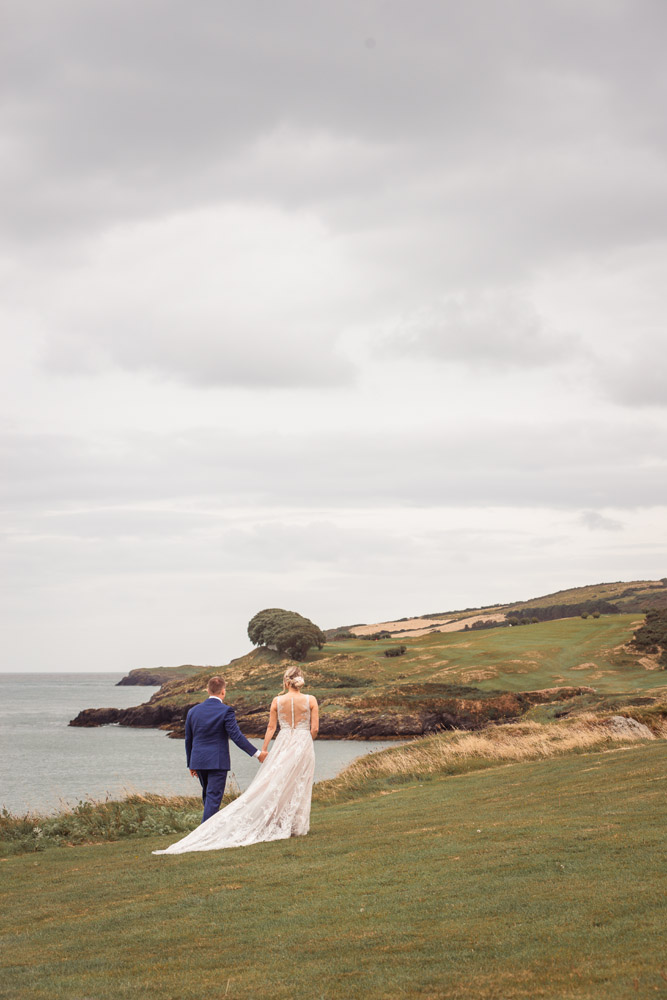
point(263, 755)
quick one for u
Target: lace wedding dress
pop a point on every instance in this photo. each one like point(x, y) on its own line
point(276, 805)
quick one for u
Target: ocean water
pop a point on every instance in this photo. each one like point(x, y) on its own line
point(47, 764)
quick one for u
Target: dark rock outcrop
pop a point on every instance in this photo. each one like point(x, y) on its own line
point(156, 676)
point(146, 716)
point(370, 723)
point(147, 678)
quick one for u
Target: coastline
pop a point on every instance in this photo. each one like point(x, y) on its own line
point(365, 723)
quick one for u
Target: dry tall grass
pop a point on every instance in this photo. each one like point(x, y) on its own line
point(458, 751)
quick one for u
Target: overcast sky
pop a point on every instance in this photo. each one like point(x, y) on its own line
point(352, 308)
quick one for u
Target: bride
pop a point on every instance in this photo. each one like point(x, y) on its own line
point(276, 805)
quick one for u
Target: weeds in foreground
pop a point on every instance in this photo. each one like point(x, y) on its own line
point(91, 822)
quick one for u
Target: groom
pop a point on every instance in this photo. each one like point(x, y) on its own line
point(208, 728)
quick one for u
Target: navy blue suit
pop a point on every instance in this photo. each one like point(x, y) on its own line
point(208, 728)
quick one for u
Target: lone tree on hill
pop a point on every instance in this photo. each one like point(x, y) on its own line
point(285, 631)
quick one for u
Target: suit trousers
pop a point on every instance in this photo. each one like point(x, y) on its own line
point(212, 789)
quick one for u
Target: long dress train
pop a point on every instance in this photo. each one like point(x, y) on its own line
point(276, 804)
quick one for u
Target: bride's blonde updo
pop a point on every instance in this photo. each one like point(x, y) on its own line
point(293, 678)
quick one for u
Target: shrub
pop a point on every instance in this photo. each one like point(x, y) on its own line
point(486, 623)
point(395, 650)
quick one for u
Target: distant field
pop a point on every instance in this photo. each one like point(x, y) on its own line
point(528, 881)
point(570, 651)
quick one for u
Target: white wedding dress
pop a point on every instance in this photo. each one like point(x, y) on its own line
point(276, 804)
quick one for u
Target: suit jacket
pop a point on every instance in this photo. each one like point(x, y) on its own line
point(208, 728)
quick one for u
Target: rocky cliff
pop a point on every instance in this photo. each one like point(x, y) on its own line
point(368, 723)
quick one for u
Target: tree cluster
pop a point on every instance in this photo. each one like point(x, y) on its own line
point(551, 612)
point(285, 631)
point(651, 637)
point(486, 623)
point(395, 650)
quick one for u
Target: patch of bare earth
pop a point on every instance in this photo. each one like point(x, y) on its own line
point(650, 662)
point(412, 626)
point(415, 627)
point(478, 675)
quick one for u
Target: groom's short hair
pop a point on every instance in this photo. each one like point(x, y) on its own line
point(215, 685)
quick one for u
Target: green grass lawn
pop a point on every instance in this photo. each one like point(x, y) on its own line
point(530, 880)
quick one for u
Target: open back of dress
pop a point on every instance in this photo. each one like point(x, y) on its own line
point(294, 711)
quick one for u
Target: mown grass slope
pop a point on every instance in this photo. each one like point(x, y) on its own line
point(525, 880)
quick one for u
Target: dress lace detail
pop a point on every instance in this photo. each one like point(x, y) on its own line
point(276, 804)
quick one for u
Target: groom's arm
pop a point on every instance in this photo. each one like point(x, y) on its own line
point(235, 734)
point(188, 738)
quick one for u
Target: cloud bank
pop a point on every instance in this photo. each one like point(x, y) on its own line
point(357, 309)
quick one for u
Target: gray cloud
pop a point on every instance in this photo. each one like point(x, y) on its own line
point(128, 111)
point(488, 329)
point(595, 521)
point(443, 253)
point(560, 465)
point(468, 147)
point(640, 380)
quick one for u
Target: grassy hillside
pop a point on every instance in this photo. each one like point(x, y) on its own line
point(354, 678)
point(631, 596)
point(568, 651)
point(445, 678)
point(634, 595)
point(533, 880)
